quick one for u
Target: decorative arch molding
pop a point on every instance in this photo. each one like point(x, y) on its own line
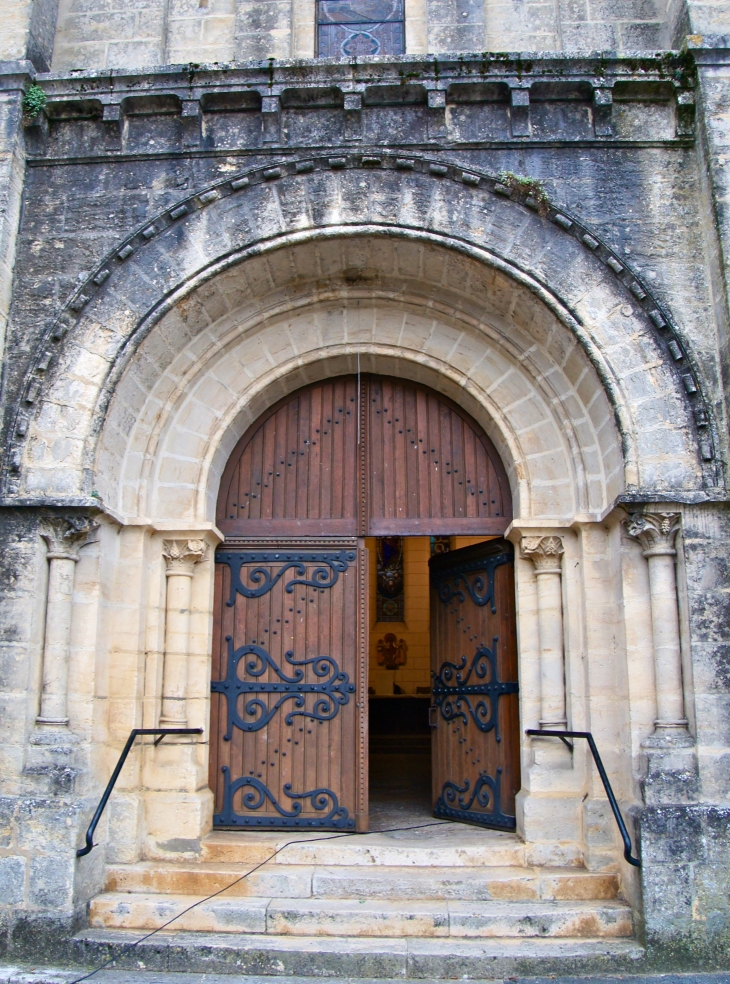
point(176, 456)
point(555, 256)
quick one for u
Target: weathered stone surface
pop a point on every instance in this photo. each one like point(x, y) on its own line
point(182, 247)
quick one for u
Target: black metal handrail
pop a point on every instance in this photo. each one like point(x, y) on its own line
point(564, 735)
point(161, 733)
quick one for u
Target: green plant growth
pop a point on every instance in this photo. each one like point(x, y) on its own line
point(530, 187)
point(34, 101)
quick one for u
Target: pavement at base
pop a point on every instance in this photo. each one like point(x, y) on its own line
point(16, 974)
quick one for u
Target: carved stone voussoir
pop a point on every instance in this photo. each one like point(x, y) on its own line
point(545, 552)
point(65, 535)
point(181, 556)
point(655, 531)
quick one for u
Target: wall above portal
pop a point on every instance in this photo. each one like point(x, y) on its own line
point(148, 33)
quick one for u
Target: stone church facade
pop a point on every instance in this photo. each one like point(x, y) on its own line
point(210, 208)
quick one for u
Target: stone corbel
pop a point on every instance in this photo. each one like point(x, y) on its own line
point(271, 117)
point(546, 553)
point(603, 112)
point(520, 112)
point(353, 116)
point(113, 121)
point(437, 115)
point(64, 536)
point(181, 556)
point(685, 120)
point(36, 131)
point(192, 118)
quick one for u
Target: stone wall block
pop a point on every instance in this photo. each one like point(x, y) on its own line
point(667, 891)
point(716, 836)
point(48, 827)
point(263, 29)
point(12, 880)
point(8, 807)
point(671, 834)
point(51, 881)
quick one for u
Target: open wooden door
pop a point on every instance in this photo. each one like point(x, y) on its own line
point(474, 711)
point(339, 459)
point(289, 686)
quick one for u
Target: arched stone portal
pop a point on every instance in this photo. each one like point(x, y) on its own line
point(241, 294)
point(213, 359)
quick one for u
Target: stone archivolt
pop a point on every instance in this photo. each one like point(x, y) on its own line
point(95, 308)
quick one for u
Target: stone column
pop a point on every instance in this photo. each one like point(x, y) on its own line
point(181, 556)
point(546, 552)
point(657, 532)
point(64, 536)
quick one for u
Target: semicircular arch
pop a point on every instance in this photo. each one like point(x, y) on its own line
point(198, 382)
point(612, 318)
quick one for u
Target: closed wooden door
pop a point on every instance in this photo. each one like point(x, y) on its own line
point(289, 684)
point(474, 712)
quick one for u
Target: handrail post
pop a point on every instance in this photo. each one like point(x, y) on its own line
point(563, 735)
point(162, 732)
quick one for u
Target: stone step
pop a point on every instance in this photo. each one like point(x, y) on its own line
point(358, 918)
point(444, 844)
point(434, 958)
point(343, 882)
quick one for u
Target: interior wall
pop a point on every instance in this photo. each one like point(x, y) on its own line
point(416, 630)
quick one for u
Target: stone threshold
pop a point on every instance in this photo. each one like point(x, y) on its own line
point(244, 954)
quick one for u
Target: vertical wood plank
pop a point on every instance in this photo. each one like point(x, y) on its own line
point(463, 753)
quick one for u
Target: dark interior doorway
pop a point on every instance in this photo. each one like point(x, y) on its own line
point(400, 760)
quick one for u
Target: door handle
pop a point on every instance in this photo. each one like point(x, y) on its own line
point(432, 722)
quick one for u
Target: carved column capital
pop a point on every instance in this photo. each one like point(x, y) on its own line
point(181, 556)
point(655, 531)
point(65, 535)
point(545, 552)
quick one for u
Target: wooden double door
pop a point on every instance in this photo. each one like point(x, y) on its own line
point(325, 467)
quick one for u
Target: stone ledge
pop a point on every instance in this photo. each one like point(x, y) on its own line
point(514, 96)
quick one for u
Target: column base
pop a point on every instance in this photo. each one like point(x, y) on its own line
point(176, 823)
point(550, 826)
point(670, 762)
point(50, 722)
point(52, 734)
point(551, 754)
point(669, 734)
point(52, 761)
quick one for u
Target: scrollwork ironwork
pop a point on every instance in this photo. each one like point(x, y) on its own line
point(334, 692)
point(456, 697)
point(258, 794)
point(331, 563)
point(482, 804)
point(475, 578)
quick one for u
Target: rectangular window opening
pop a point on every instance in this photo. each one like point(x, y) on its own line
point(360, 28)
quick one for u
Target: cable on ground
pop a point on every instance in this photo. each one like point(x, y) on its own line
point(353, 833)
